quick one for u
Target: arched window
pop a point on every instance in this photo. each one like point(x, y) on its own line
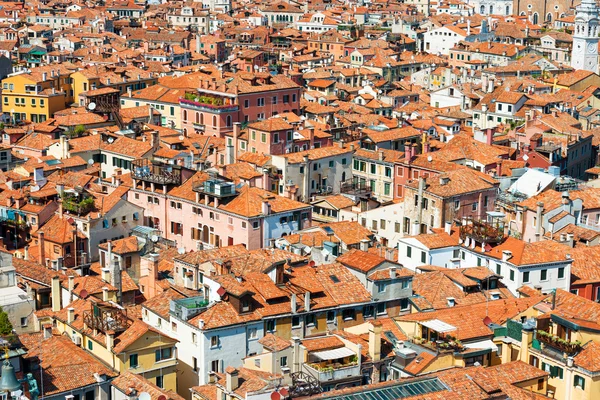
point(185, 115)
point(491, 9)
point(549, 17)
point(197, 117)
point(215, 121)
point(482, 9)
point(507, 10)
point(536, 18)
point(229, 120)
point(522, 13)
point(201, 118)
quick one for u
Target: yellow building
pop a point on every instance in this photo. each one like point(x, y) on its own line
point(35, 96)
point(123, 343)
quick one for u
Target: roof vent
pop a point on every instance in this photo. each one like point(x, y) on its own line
point(451, 301)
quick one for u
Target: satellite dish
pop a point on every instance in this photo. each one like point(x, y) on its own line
point(91, 161)
point(83, 294)
point(429, 158)
point(256, 67)
point(181, 250)
point(181, 137)
point(110, 140)
point(144, 396)
point(154, 238)
point(92, 106)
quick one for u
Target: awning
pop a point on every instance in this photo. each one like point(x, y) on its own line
point(438, 326)
point(482, 344)
point(334, 354)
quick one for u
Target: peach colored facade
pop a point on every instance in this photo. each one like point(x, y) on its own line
point(218, 120)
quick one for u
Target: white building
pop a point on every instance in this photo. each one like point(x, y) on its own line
point(493, 7)
point(585, 37)
point(543, 265)
point(441, 40)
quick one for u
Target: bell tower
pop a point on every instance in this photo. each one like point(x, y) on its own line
point(585, 38)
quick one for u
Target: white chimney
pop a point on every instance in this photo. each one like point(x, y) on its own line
point(201, 324)
point(307, 301)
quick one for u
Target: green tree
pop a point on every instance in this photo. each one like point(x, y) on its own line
point(6, 327)
point(79, 130)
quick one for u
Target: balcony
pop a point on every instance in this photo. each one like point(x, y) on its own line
point(333, 372)
point(558, 344)
point(106, 318)
point(211, 104)
point(189, 307)
point(354, 186)
point(155, 172)
point(482, 232)
point(214, 187)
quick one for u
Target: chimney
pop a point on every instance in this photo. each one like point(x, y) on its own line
point(42, 250)
point(55, 293)
point(364, 245)
point(212, 377)
point(294, 304)
point(499, 168)
point(110, 341)
point(231, 379)
point(236, 134)
point(451, 301)
point(70, 315)
point(106, 275)
point(489, 136)
point(47, 331)
point(311, 137)
point(407, 155)
point(26, 253)
point(60, 208)
point(448, 227)
point(375, 329)
point(306, 301)
point(71, 287)
point(381, 155)
point(266, 207)
point(393, 272)
point(506, 255)
point(44, 76)
point(155, 140)
point(538, 226)
point(201, 324)
point(104, 293)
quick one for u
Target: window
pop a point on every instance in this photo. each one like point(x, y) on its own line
point(381, 309)
point(579, 382)
point(133, 361)
point(296, 321)
point(512, 275)
point(368, 311)
point(283, 361)
point(561, 272)
point(270, 325)
point(526, 277)
point(195, 364)
point(174, 326)
point(348, 314)
point(260, 102)
point(246, 103)
point(214, 341)
point(498, 269)
point(474, 207)
point(214, 365)
point(159, 381)
point(311, 320)
point(90, 345)
point(330, 317)
point(544, 275)
point(23, 322)
point(163, 354)
point(408, 251)
point(423, 257)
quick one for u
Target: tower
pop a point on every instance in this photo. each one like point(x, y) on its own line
point(585, 38)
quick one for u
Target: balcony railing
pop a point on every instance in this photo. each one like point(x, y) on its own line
point(211, 108)
point(482, 232)
point(148, 171)
point(332, 373)
point(558, 343)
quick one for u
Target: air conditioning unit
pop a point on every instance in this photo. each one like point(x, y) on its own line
point(76, 339)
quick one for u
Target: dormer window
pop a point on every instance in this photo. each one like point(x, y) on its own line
point(245, 305)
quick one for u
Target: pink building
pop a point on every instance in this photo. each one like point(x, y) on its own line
point(242, 97)
point(202, 211)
